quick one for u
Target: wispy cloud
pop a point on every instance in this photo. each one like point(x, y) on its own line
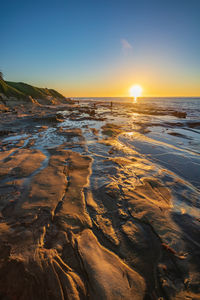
point(125, 45)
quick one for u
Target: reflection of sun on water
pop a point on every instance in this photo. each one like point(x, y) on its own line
point(135, 91)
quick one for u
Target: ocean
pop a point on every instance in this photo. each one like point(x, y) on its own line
point(190, 105)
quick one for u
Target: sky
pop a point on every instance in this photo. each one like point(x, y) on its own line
point(86, 48)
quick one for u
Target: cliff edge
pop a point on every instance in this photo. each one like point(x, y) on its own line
point(19, 93)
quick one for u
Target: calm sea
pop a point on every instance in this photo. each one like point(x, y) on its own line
point(191, 105)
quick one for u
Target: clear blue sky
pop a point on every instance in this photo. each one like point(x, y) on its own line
point(97, 47)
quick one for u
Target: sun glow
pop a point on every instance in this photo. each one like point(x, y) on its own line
point(135, 91)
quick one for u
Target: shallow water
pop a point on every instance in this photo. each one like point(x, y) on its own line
point(166, 141)
point(141, 195)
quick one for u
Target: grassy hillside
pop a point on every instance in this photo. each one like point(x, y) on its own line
point(10, 91)
point(21, 90)
point(55, 93)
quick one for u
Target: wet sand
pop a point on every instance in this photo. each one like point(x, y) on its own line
point(99, 202)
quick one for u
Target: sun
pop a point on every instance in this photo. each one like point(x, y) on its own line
point(135, 91)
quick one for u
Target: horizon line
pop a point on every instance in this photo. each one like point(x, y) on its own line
point(132, 97)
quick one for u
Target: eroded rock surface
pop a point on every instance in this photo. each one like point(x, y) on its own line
point(86, 216)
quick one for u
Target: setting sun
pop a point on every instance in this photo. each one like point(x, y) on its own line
point(135, 91)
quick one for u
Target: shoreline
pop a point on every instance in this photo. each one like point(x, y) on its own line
point(99, 201)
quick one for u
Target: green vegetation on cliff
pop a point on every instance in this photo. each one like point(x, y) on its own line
point(21, 90)
point(9, 91)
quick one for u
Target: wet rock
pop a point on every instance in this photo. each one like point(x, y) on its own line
point(5, 132)
point(52, 118)
point(22, 163)
point(179, 114)
point(93, 226)
point(111, 130)
point(109, 277)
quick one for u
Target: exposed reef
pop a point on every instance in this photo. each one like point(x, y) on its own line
point(92, 206)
